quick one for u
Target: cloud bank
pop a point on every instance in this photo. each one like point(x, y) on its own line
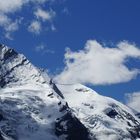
point(99, 65)
point(133, 100)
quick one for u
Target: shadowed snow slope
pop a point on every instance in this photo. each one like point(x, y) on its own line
point(32, 107)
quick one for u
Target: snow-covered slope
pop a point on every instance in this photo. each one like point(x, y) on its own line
point(15, 69)
point(105, 118)
point(32, 107)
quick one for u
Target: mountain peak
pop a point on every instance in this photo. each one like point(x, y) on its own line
point(6, 52)
point(16, 69)
point(31, 107)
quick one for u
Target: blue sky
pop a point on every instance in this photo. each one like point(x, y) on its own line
point(42, 31)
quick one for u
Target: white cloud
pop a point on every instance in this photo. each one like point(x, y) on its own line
point(44, 15)
point(9, 25)
point(9, 7)
point(35, 27)
point(53, 28)
point(43, 49)
point(65, 11)
point(99, 65)
point(12, 26)
point(133, 100)
point(39, 48)
point(4, 20)
point(39, 1)
point(6, 23)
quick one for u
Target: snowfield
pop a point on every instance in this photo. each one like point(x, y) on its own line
point(30, 111)
point(105, 117)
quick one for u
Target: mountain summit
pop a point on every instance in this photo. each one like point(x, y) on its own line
point(33, 107)
point(16, 70)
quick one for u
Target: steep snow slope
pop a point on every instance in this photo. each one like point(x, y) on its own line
point(35, 113)
point(31, 108)
point(106, 118)
point(29, 112)
point(16, 70)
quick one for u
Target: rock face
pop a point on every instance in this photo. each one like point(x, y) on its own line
point(32, 107)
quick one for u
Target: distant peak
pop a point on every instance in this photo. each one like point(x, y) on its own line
point(6, 53)
point(2, 46)
point(16, 69)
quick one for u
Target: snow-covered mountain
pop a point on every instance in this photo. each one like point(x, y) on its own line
point(104, 117)
point(33, 107)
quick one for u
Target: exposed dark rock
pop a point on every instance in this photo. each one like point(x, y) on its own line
point(112, 113)
point(72, 127)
